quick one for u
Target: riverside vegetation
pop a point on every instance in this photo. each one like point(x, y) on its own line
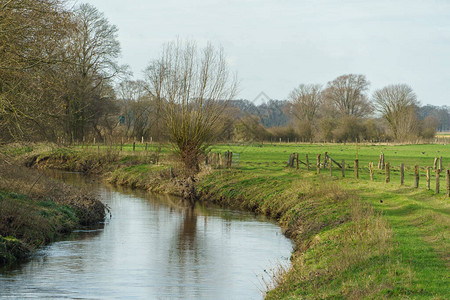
point(354, 238)
point(35, 210)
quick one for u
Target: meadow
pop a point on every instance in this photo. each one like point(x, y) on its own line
point(354, 238)
point(396, 246)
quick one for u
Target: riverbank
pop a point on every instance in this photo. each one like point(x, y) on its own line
point(35, 210)
point(354, 238)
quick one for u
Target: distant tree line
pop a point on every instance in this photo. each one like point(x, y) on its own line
point(341, 111)
point(60, 80)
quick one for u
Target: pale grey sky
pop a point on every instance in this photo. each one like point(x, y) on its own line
point(274, 45)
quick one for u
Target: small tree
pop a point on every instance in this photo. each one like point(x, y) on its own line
point(397, 104)
point(192, 86)
point(305, 102)
point(347, 95)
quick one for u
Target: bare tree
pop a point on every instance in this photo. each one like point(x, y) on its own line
point(347, 95)
point(306, 100)
point(304, 104)
point(93, 49)
point(192, 85)
point(32, 37)
point(397, 103)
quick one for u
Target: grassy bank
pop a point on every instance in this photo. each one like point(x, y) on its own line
point(354, 238)
point(35, 210)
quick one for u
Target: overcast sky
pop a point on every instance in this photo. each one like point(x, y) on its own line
point(274, 45)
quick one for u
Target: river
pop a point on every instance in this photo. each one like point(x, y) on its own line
point(153, 248)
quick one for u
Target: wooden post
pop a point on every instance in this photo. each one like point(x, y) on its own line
point(318, 163)
point(428, 177)
point(230, 159)
point(371, 170)
point(134, 146)
point(325, 159)
point(437, 180)
point(343, 168)
point(379, 163)
point(297, 161)
point(356, 169)
point(307, 161)
point(220, 161)
point(416, 176)
point(388, 173)
point(435, 163)
point(448, 182)
point(402, 174)
point(331, 168)
point(142, 139)
point(440, 163)
point(382, 161)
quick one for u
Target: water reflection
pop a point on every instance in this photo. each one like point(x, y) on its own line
point(153, 247)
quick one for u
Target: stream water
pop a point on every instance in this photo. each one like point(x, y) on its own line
point(153, 248)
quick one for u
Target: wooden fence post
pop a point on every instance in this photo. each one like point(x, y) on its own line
point(435, 163)
point(388, 172)
point(134, 146)
point(371, 171)
point(428, 177)
point(343, 168)
point(402, 174)
point(220, 161)
point(318, 163)
point(437, 180)
point(440, 163)
point(448, 183)
point(297, 160)
point(325, 159)
point(382, 161)
point(379, 163)
point(356, 169)
point(416, 176)
point(307, 161)
point(331, 168)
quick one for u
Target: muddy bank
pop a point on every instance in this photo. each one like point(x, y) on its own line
point(35, 210)
point(141, 172)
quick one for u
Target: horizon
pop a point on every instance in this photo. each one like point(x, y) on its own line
point(276, 45)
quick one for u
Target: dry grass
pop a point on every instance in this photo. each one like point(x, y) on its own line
point(35, 210)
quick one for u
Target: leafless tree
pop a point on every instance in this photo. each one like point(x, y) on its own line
point(347, 95)
point(192, 85)
point(93, 50)
point(32, 37)
point(135, 107)
point(304, 104)
point(397, 104)
point(306, 100)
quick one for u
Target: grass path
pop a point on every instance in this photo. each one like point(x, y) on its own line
point(420, 222)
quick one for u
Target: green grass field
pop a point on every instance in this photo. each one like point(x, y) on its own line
point(354, 238)
point(273, 157)
point(416, 257)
